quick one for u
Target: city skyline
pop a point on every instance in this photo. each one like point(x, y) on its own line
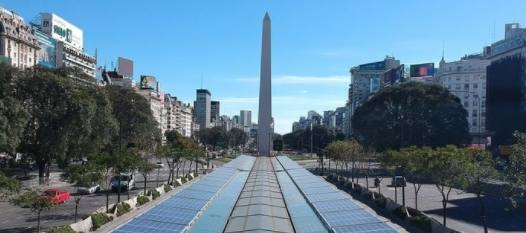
point(312, 54)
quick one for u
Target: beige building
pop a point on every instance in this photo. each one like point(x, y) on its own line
point(179, 116)
point(156, 100)
point(18, 45)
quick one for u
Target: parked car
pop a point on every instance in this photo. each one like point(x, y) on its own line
point(398, 181)
point(127, 182)
point(159, 164)
point(89, 188)
point(57, 196)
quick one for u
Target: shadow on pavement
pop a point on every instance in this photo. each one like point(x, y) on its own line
point(18, 230)
point(468, 210)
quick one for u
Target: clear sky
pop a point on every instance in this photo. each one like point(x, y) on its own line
point(314, 43)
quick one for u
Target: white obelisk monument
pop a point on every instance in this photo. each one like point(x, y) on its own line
point(265, 124)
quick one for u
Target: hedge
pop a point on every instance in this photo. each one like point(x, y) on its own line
point(155, 194)
point(99, 219)
point(400, 212)
point(141, 200)
point(422, 222)
point(167, 188)
point(122, 208)
point(62, 229)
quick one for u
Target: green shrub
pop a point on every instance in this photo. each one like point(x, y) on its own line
point(184, 180)
point(330, 177)
point(62, 229)
point(348, 185)
point(141, 200)
point(422, 222)
point(400, 212)
point(155, 194)
point(380, 202)
point(414, 212)
point(357, 188)
point(122, 208)
point(341, 180)
point(99, 219)
point(167, 188)
point(367, 195)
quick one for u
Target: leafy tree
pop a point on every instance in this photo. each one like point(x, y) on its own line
point(8, 186)
point(345, 153)
point(515, 170)
point(479, 170)
point(411, 114)
point(145, 167)
point(447, 169)
point(82, 175)
point(36, 200)
point(237, 137)
point(57, 116)
point(301, 139)
point(13, 116)
point(213, 136)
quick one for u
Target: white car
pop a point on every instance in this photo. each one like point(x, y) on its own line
point(159, 165)
point(89, 189)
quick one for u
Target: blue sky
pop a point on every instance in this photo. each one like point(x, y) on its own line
point(314, 43)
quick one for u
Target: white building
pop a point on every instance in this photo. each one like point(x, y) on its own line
point(178, 115)
point(245, 120)
point(466, 79)
point(70, 44)
point(149, 88)
point(18, 45)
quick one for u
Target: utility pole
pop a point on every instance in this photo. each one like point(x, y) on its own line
point(311, 137)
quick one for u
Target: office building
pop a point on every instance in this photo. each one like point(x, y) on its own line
point(214, 111)
point(18, 45)
point(202, 108)
point(245, 119)
point(149, 88)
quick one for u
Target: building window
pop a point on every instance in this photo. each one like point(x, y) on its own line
point(466, 104)
point(475, 85)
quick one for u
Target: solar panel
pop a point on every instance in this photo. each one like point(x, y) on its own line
point(365, 228)
point(346, 218)
point(335, 205)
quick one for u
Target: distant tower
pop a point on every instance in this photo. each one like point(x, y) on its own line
point(265, 127)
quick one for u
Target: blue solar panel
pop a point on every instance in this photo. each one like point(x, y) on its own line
point(195, 194)
point(335, 205)
point(150, 226)
point(365, 228)
point(182, 202)
point(346, 218)
point(326, 197)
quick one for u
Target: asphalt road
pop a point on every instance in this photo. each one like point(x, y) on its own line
point(463, 209)
point(15, 219)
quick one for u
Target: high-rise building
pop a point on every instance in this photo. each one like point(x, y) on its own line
point(466, 79)
point(265, 124)
point(125, 67)
point(215, 111)
point(202, 108)
point(18, 45)
point(178, 115)
point(245, 119)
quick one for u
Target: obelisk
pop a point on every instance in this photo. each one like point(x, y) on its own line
point(265, 128)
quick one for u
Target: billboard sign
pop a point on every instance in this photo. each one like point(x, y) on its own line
point(46, 55)
point(422, 70)
point(148, 82)
point(61, 30)
point(373, 66)
point(125, 67)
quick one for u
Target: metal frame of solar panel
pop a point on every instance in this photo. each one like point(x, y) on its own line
point(339, 211)
point(178, 212)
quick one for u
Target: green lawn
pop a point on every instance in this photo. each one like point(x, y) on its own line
point(301, 157)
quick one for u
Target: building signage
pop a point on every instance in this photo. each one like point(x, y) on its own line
point(61, 30)
point(422, 70)
point(148, 82)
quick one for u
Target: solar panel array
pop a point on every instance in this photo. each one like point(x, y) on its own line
point(337, 209)
point(178, 212)
point(303, 216)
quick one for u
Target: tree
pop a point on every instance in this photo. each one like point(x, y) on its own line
point(213, 136)
point(82, 175)
point(36, 200)
point(479, 170)
point(411, 114)
point(301, 139)
point(515, 170)
point(237, 137)
point(447, 169)
point(144, 167)
point(8, 186)
point(58, 117)
point(13, 116)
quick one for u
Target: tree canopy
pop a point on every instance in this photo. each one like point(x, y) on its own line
point(411, 114)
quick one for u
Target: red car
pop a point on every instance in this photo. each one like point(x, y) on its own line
point(57, 196)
